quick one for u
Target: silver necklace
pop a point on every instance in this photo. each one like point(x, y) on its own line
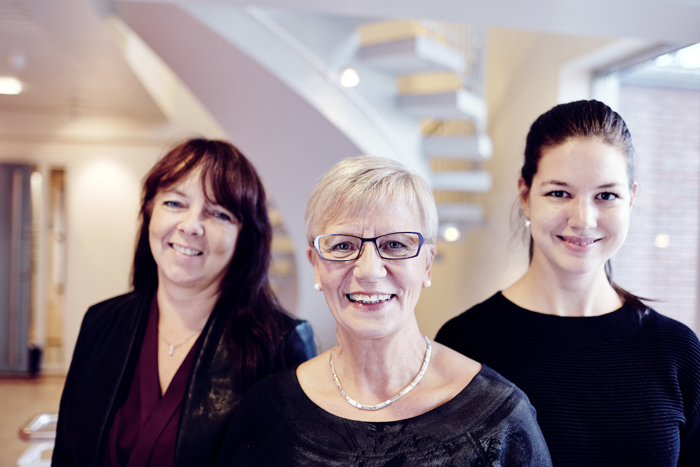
point(175, 346)
point(416, 380)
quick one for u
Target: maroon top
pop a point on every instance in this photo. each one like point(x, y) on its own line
point(145, 427)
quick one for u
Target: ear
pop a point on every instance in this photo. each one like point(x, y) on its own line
point(431, 251)
point(524, 196)
point(312, 256)
point(633, 193)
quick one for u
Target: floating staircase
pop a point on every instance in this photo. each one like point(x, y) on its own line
point(436, 66)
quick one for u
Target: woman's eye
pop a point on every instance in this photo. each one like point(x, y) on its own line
point(606, 196)
point(172, 204)
point(342, 246)
point(558, 194)
point(222, 216)
point(395, 245)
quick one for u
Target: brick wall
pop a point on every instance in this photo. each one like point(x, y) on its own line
point(665, 127)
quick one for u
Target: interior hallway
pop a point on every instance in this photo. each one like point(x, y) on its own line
point(21, 399)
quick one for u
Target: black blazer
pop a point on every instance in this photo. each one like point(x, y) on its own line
point(102, 368)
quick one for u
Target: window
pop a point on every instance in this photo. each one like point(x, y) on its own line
point(660, 101)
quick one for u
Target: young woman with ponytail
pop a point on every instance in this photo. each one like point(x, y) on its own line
point(613, 382)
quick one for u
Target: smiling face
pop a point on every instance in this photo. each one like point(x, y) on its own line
point(192, 240)
point(372, 297)
point(579, 206)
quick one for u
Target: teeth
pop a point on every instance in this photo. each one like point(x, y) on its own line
point(356, 297)
point(185, 251)
point(574, 242)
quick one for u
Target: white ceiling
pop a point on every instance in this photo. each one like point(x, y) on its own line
point(72, 64)
point(659, 20)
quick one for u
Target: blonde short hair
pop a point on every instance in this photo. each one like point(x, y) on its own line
point(362, 185)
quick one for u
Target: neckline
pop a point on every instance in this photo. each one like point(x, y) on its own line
point(467, 393)
point(482, 396)
point(601, 327)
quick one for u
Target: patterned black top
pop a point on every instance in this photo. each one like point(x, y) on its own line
point(490, 422)
point(618, 389)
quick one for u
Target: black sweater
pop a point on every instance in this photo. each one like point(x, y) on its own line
point(618, 389)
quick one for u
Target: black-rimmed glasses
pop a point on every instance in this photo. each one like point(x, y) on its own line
point(397, 245)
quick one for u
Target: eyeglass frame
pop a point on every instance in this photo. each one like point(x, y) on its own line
point(421, 241)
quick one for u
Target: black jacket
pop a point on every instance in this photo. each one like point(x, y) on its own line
point(103, 364)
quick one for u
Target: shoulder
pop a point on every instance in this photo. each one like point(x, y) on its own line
point(498, 419)
point(674, 337)
point(118, 305)
point(289, 326)
point(506, 421)
point(114, 313)
point(296, 341)
point(257, 417)
point(477, 316)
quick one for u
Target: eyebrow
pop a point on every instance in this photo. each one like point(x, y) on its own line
point(564, 184)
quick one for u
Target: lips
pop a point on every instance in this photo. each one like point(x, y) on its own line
point(184, 250)
point(578, 241)
point(368, 299)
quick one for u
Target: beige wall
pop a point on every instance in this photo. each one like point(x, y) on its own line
point(522, 73)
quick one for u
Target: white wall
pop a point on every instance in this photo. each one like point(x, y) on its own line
point(105, 159)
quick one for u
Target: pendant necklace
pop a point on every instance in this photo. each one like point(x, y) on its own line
point(426, 360)
point(175, 346)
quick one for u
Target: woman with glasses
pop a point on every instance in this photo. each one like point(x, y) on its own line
point(385, 394)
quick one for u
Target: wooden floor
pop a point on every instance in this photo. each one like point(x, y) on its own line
point(21, 399)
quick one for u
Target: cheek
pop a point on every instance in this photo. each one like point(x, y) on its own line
point(225, 243)
point(155, 230)
point(617, 223)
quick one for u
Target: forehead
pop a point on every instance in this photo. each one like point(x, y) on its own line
point(192, 183)
point(582, 160)
point(391, 216)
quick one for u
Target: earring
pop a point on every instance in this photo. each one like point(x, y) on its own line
point(427, 283)
point(527, 223)
point(317, 287)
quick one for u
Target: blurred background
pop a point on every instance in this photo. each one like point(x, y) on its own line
point(93, 92)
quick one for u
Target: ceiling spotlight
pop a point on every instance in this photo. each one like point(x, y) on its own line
point(662, 241)
point(451, 234)
point(349, 78)
point(690, 56)
point(11, 86)
point(665, 60)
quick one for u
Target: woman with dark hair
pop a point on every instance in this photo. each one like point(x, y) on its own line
point(157, 372)
point(614, 382)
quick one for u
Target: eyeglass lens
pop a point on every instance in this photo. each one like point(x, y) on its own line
point(392, 246)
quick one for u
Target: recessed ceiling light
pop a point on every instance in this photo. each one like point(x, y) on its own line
point(662, 241)
point(451, 234)
point(9, 85)
point(349, 78)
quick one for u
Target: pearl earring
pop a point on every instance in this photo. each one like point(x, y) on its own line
point(427, 283)
point(527, 223)
point(317, 287)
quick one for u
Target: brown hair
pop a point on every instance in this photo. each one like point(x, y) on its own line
point(581, 119)
point(228, 179)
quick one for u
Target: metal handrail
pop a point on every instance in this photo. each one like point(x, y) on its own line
point(40, 428)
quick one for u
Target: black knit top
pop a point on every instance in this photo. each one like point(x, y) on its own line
point(489, 423)
point(618, 389)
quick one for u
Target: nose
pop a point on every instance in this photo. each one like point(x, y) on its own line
point(369, 265)
point(191, 222)
point(583, 215)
